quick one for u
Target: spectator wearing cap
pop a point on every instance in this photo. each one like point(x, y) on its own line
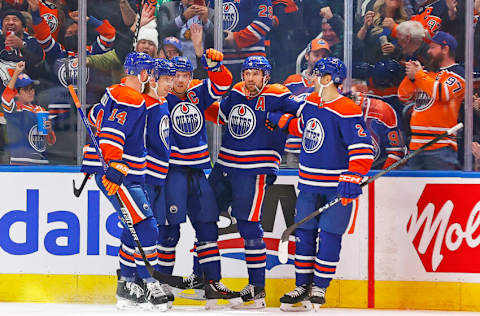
point(437, 95)
point(26, 144)
point(301, 85)
point(175, 18)
point(15, 44)
point(171, 47)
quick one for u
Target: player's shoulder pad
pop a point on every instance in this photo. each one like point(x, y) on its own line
point(383, 112)
point(344, 107)
point(126, 96)
point(292, 79)
point(276, 89)
point(239, 87)
point(194, 83)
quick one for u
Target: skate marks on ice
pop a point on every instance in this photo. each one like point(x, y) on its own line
point(43, 309)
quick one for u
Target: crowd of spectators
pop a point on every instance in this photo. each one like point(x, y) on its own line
point(387, 36)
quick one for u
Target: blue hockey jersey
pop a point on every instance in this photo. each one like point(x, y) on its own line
point(247, 145)
point(120, 120)
point(301, 87)
point(188, 134)
point(250, 21)
point(25, 145)
point(381, 120)
point(157, 140)
point(334, 140)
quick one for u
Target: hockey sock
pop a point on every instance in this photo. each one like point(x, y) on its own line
point(305, 250)
point(125, 256)
point(147, 234)
point(328, 255)
point(168, 237)
point(196, 265)
point(255, 251)
point(207, 250)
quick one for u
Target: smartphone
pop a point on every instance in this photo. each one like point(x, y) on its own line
point(199, 2)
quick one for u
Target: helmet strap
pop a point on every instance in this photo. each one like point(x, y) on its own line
point(322, 87)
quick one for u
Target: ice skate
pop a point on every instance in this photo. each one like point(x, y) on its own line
point(215, 291)
point(193, 288)
point(129, 295)
point(156, 299)
point(317, 297)
point(166, 288)
point(296, 300)
point(253, 297)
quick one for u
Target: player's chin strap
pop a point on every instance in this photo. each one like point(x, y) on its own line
point(154, 89)
point(265, 81)
point(143, 83)
point(323, 86)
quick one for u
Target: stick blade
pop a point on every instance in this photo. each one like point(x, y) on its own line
point(283, 251)
point(76, 192)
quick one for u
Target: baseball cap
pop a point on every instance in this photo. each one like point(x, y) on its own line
point(171, 40)
point(445, 39)
point(24, 80)
point(317, 44)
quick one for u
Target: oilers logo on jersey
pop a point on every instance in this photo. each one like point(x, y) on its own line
point(376, 147)
point(230, 16)
point(313, 136)
point(51, 20)
point(187, 120)
point(36, 140)
point(422, 101)
point(164, 131)
point(67, 71)
point(241, 121)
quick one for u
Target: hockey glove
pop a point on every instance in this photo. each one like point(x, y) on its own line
point(349, 186)
point(278, 120)
point(212, 59)
point(114, 176)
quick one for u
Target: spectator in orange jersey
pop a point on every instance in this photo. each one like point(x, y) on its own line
point(437, 96)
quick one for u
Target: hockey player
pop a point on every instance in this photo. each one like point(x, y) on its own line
point(383, 125)
point(25, 143)
point(248, 162)
point(157, 141)
point(187, 189)
point(336, 153)
point(302, 85)
point(245, 26)
point(120, 119)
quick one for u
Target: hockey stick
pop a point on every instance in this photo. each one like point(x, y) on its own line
point(78, 191)
point(283, 244)
point(171, 280)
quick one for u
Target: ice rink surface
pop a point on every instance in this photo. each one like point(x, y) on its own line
point(30, 309)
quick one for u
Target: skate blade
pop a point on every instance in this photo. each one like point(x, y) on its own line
point(191, 294)
point(317, 307)
point(216, 304)
point(124, 304)
point(158, 307)
point(254, 304)
point(304, 306)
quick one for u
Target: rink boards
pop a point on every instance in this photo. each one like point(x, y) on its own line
point(414, 242)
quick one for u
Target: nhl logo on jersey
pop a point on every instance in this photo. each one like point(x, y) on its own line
point(230, 16)
point(164, 131)
point(36, 140)
point(51, 20)
point(241, 121)
point(313, 136)
point(422, 101)
point(187, 120)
